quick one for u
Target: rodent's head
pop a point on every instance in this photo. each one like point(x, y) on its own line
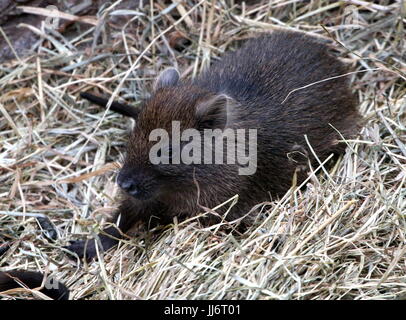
point(173, 105)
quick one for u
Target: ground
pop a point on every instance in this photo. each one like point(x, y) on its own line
point(342, 237)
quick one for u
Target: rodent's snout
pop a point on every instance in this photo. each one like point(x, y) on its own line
point(128, 184)
point(135, 184)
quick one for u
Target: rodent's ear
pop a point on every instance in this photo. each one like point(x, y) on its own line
point(215, 112)
point(167, 78)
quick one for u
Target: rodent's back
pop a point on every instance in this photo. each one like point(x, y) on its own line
point(268, 67)
point(288, 85)
point(286, 80)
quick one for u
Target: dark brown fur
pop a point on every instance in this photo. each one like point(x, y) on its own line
point(257, 79)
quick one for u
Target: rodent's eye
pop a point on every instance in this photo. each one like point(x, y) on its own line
point(165, 152)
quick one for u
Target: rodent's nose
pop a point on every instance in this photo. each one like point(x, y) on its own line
point(127, 184)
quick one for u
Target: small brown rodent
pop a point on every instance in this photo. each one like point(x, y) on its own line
point(271, 84)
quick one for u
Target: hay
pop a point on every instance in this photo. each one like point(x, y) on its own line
point(341, 238)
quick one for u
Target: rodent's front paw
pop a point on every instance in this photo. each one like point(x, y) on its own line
point(83, 248)
point(87, 248)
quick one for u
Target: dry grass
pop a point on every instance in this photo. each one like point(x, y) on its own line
point(341, 238)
